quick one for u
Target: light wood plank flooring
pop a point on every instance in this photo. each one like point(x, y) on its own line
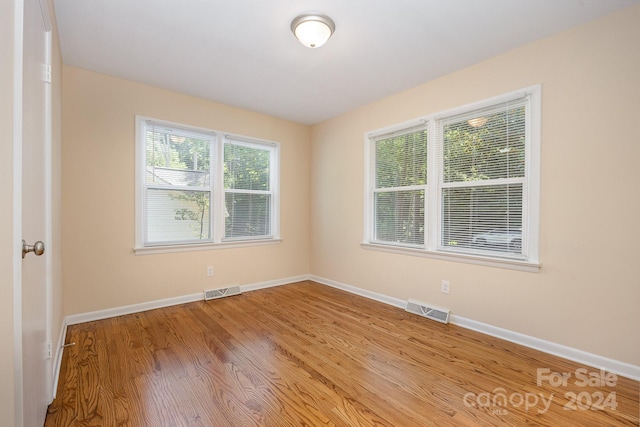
point(309, 355)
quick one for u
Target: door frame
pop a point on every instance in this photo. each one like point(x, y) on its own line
point(48, 202)
point(18, 120)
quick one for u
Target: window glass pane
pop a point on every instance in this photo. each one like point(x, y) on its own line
point(401, 160)
point(487, 218)
point(247, 215)
point(246, 167)
point(175, 158)
point(176, 216)
point(485, 145)
point(399, 217)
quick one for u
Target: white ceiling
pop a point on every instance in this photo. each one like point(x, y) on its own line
point(242, 52)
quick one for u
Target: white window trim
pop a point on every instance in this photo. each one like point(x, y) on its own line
point(217, 194)
point(431, 248)
point(205, 246)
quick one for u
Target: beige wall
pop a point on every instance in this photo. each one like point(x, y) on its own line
point(100, 270)
point(587, 293)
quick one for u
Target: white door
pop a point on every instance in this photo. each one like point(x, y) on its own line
point(36, 209)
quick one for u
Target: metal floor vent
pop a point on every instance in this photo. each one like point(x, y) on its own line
point(423, 310)
point(222, 292)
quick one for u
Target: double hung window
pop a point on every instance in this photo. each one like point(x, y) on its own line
point(198, 187)
point(248, 189)
point(460, 185)
point(400, 186)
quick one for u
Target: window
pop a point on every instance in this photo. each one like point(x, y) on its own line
point(400, 187)
point(247, 189)
point(460, 185)
point(198, 187)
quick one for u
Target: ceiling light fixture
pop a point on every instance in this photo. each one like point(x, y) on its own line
point(313, 29)
point(477, 122)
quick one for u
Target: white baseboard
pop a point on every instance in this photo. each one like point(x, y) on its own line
point(151, 305)
point(362, 292)
point(91, 316)
point(576, 355)
point(272, 283)
point(611, 365)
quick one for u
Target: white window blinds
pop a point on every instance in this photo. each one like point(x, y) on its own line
point(248, 188)
point(198, 188)
point(482, 159)
point(399, 195)
point(462, 184)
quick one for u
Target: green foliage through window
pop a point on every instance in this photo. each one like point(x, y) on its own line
point(476, 197)
point(198, 186)
point(400, 179)
point(247, 183)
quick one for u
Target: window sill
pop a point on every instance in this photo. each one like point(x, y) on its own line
point(149, 250)
point(510, 264)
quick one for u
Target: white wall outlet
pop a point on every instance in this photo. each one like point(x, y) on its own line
point(445, 287)
point(210, 271)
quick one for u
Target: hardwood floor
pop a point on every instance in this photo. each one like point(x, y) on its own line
point(309, 355)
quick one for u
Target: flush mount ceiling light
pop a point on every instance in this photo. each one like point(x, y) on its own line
point(313, 29)
point(477, 122)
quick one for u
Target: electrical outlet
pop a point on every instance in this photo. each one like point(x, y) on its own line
point(210, 271)
point(445, 287)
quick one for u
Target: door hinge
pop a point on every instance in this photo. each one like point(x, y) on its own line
point(49, 350)
point(47, 73)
